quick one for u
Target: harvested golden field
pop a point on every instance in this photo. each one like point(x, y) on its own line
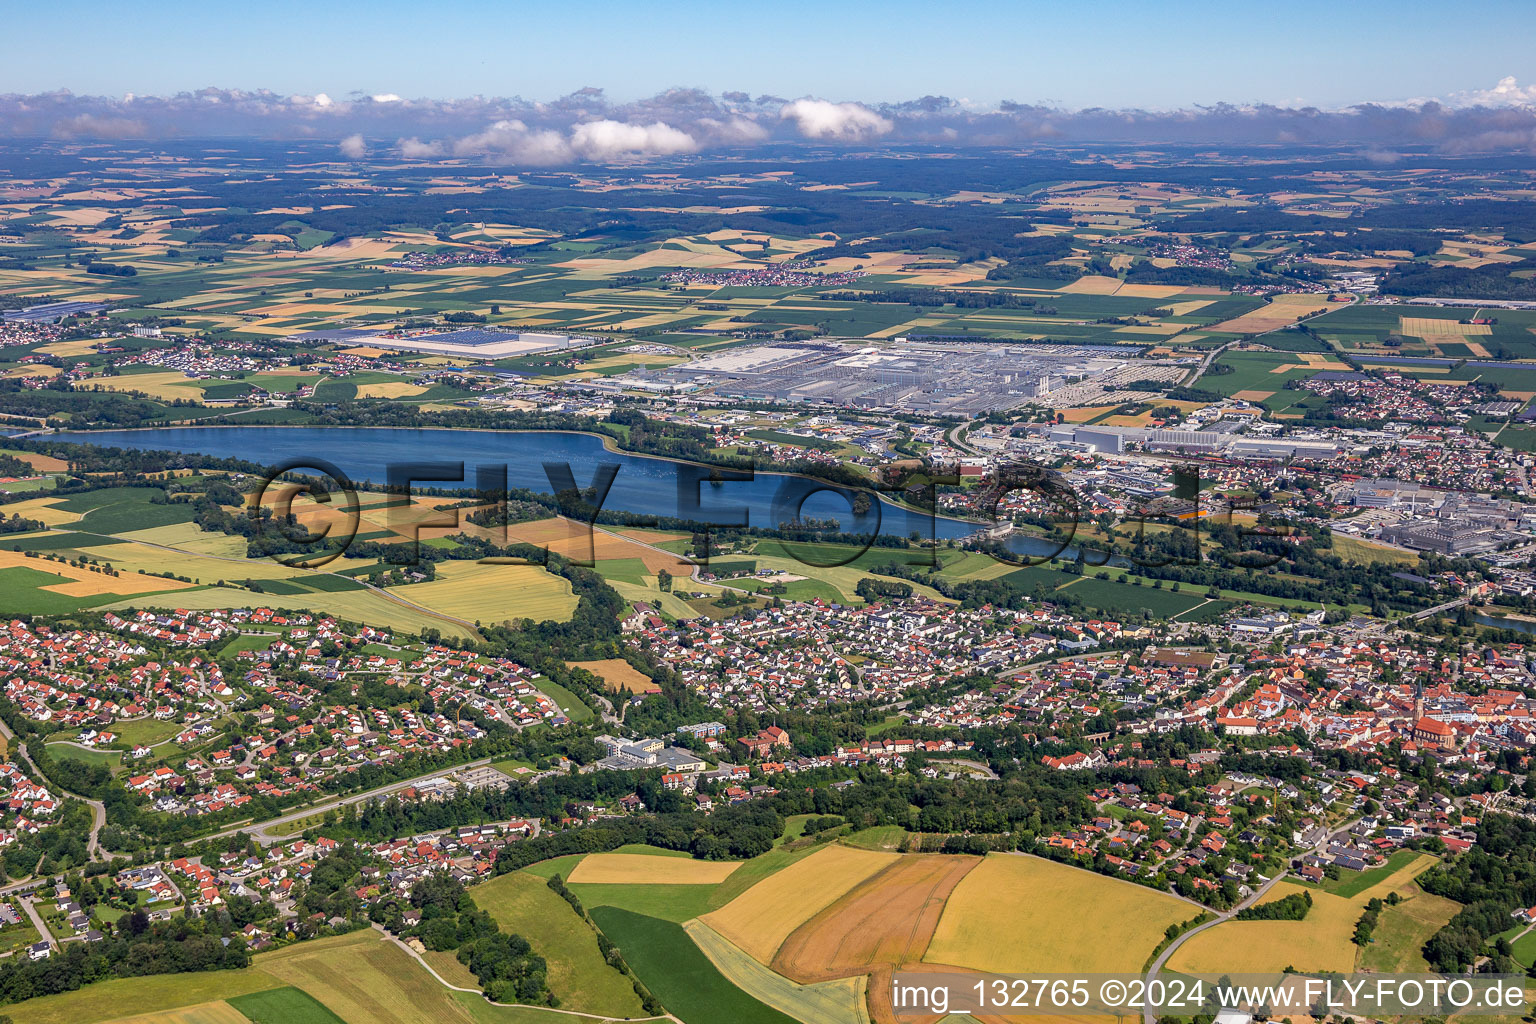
point(1152, 291)
point(479, 592)
point(650, 869)
point(82, 582)
point(218, 1012)
point(1093, 284)
point(1320, 942)
point(1436, 327)
point(43, 511)
point(131, 557)
point(885, 921)
point(1086, 413)
point(39, 462)
point(619, 674)
point(1281, 311)
point(168, 385)
point(364, 977)
point(760, 919)
point(1250, 395)
point(1015, 914)
point(391, 389)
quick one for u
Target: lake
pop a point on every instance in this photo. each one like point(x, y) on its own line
point(649, 486)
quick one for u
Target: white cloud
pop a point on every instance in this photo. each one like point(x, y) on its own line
point(385, 97)
point(843, 122)
point(415, 149)
point(617, 140)
point(1507, 93)
point(739, 131)
point(98, 127)
point(353, 147)
point(516, 141)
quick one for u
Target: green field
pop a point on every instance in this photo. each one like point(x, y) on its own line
point(123, 997)
point(1398, 941)
point(678, 973)
point(524, 903)
point(573, 706)
point(668, 902)
point(1350, 884)
point(283, 1006)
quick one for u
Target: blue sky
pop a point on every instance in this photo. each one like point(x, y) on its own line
point(1108, 53)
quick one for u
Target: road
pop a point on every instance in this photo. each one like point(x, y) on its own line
point(977, 766)
point(952, 438)
point(37, 921)
point(1205, 364)
point(1149, 1015)
point(260, 830)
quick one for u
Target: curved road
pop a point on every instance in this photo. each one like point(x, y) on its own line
point(98, 809)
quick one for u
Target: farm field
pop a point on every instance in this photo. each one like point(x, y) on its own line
point(840, 999)
point(646, 869)
point(108, 1000)
point(357, 606)
point(493, 593)
point(668, 902)
point(213, 1013)
point(523, 903)
point(1081, 921)
point(885, 921)
point(363, 978)
point(679, 974)
point(1401, 931)
point(283, 1006)
point(1320, 942)
point(619, 674)
point(760, 919)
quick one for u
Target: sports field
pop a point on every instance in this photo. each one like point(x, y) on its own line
point(646, 869)
point(760, 919)
point(1061, 918)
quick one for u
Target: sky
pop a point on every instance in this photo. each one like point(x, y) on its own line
point(1107, 53)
